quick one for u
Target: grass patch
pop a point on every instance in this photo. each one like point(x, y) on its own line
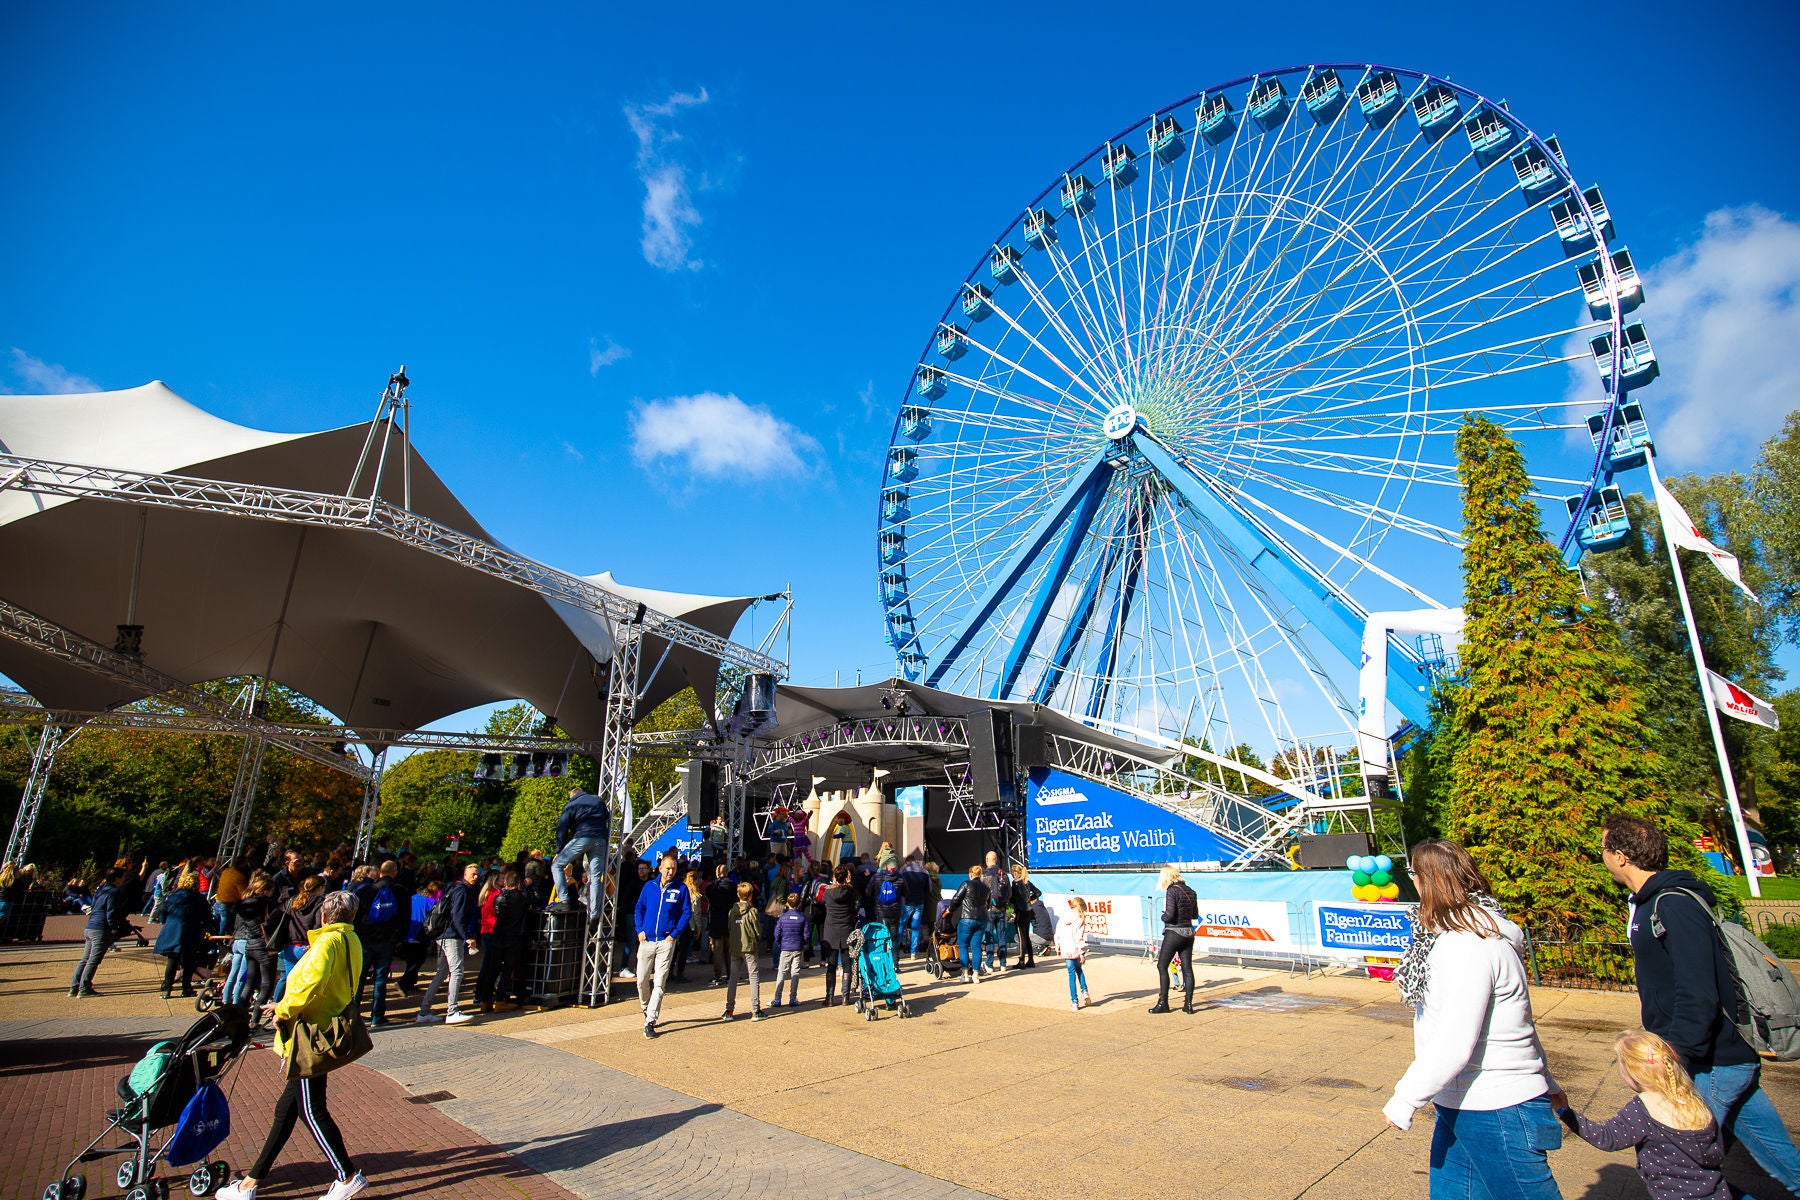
point(1780, 887)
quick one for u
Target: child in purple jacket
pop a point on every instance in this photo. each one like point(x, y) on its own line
point(790, 941)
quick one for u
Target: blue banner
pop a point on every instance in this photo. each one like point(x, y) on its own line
point(679, 837)
point(1365, 928)
point(1072, 822)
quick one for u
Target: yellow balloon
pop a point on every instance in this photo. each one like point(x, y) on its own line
point(1363, 891)
point(1391, 892)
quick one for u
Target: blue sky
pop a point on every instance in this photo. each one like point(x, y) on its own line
point(572, 221)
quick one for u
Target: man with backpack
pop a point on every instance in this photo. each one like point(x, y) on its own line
point(885, 896)
point(999, 914)
point(383, 913)
point(582, 832)
point(915, 885)
point(1693, 995)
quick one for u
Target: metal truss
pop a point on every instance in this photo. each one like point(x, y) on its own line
point(326, 510)
point(615, 772)
point(20, 708)
point(243, 799)
point(32, 800)
point(943, 734)
point(365, 820)
point(40, 633)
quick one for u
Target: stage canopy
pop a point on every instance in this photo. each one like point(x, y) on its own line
point(381, 634)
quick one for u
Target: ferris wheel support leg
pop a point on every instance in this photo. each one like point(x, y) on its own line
point(1092, 492)
point(1073, 629)
point(1096, 469)
point(31, 801)
point(1116, 623)
point(1339, 622)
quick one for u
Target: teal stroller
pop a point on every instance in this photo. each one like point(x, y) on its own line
point(877, 983)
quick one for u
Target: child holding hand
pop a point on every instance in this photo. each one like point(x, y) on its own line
point(1679, 1150)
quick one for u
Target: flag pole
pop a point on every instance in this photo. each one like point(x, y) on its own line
point(1706, 693)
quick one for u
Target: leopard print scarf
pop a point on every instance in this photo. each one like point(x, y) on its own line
point(1413, 973)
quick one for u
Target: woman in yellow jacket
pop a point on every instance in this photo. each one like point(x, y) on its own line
point(319, 987)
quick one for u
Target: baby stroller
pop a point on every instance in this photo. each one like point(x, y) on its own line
point(944, 962)
point(153, 1098)
point(878, 978)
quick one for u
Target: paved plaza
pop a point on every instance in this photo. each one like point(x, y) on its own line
point(1273, 1090)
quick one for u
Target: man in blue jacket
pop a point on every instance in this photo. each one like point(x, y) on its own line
point(662, 912)
point(1685, 983)
point(584, 829)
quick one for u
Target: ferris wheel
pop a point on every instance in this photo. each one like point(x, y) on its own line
point(1191, 418)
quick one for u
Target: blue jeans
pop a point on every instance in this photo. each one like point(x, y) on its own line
point(236, 977)
point(1076, 976)
point(1496, 1155)
point(910, 916)
point(968, 943)
point(594, 849)
point(1745, 1112)
point(284, 963)
point(995, 937)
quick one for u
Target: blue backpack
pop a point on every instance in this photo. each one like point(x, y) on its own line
point(383, 907)
point(204, 1123)
point(887, 893)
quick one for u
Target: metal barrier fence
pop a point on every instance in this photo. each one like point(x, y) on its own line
point(1762, 915)
point(1595, 963)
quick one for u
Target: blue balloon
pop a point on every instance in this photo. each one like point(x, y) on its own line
point(1383, 863)
point(1350, 864)
point(1367, 864)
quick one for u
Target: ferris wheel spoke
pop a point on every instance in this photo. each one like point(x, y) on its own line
point(1087, 346)
point(1092, 315)
point(1341, 551)
point(1036, 378)
point(1433, 422)
point(1357, 508)
point(1075, 377)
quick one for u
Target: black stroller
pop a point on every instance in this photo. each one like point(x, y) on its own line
point(152, 1098)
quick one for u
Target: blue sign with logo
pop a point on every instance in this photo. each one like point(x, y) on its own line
point(1365, 928)
point(1073, 822)
point(680, 837)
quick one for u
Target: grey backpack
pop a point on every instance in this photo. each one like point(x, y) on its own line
point(1768, 999)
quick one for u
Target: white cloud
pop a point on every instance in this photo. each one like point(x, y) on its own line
point(48, 378)
point(669, 213)
point(570, 450)
point(1724, 317)
point(716, 436)
point(604, 356)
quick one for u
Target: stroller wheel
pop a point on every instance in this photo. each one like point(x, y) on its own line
point(72, 1188)
point(127, 1174)
point(161, 1187)
point(202, 1181)
point(140, 1192)
point(221, 1174)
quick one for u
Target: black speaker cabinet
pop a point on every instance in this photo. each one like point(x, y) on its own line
point(700, 791)
point(1030, 746)
point(1327, 850)
point(991, 756)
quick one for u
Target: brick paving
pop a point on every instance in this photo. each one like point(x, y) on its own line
point(55, 1089)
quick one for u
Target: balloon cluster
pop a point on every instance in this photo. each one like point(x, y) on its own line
point(1372, 877)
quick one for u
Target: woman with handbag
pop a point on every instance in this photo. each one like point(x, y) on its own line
point(315, 1034)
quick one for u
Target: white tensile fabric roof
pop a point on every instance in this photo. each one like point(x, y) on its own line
point(380, 634)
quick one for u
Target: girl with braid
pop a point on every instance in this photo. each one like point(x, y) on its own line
point(1679, 1150)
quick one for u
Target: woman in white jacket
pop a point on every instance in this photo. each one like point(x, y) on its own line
point(1476, 1054)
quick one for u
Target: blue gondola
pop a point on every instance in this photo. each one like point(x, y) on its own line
point(975, 302)
point(1004, 264)
point(1077, 194)
point(1534, 169)
point(931, 382)
point(902, 465)
point(1599, 293)
point(894, 504)
point(893, 545)
point(1119, 165)
point(915, 423)
point(1489, 134)
point(1572, 223)
point(1323, 95)
point(1638, 363)
point(1605, 524)
point(1040, 228)
point(952, 341)
point(1166, 141)
point(1268, 103)
point(1435, 108)
point(1379, 97)
point(1215, 118)
point(1630, 438)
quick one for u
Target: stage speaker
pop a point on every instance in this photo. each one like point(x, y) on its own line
point(991, 757)
point(1030, 746)
point(700, 792)
point(1326, 850)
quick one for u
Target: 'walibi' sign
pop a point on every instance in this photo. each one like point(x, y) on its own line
point(1073, 822)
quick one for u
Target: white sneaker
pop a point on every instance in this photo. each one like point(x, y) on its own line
point(976, 974)
point(627, 974)
point(427, 1019)
point(243, 1189)
point(460, 1018)
point(1073, 1007)
point(346, 1188)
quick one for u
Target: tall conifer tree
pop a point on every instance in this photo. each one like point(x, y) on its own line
point(1548, 726)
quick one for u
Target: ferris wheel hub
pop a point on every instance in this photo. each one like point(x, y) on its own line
point(1121, 419)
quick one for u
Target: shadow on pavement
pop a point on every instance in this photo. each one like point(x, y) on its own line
point(573, 1150)
point(33, 1056)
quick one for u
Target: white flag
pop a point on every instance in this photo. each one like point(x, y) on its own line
point(1683, 532)
point(1734, 701)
